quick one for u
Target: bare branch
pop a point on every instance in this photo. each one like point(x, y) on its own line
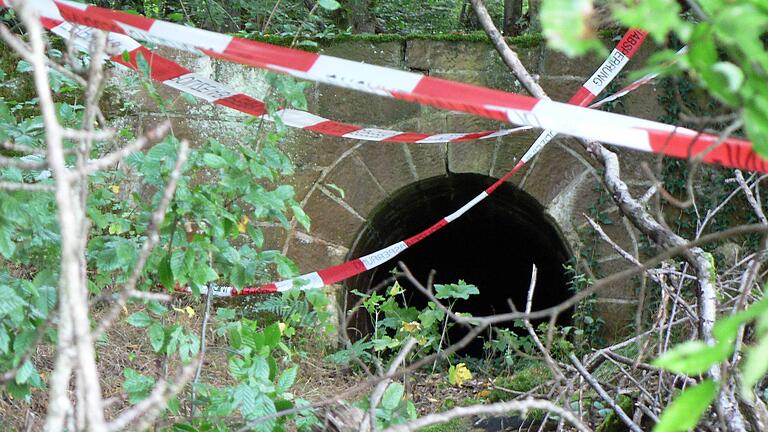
point(522, 406)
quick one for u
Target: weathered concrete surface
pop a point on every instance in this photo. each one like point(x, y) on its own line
point(562, 177)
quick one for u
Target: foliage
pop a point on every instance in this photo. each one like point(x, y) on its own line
point(695, 357)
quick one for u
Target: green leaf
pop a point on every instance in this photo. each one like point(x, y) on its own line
point(260, 368)
point(734, 77)
point(566, 26)
point(165, 274)
point(684, 412)
point(214, 161)
point(139, 319)
point(461, 290)
point(7, 247)
point(329, 4)
point(693, 357)
point(755, 365)
point(25, 372)
point(392, 396)
point(156, 336)
point(9, 300)
point(272, 335)
point(136, 385)
point(287, 378)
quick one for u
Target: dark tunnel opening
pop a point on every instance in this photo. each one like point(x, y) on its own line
point(491, 246)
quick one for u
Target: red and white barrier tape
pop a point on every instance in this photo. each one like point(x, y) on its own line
point(331, 275)
point(636, 84)
point(560, 118)
point(573, 120)
point(180, 78)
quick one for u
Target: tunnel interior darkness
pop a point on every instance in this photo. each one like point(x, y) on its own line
point(491, 246)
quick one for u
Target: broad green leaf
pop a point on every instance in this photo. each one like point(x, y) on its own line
point(272, 335)
point(139, 319)
point(260, 368)
point(7, 247)
point(659, 17)
point(329, 4)
point(693, 357)
point(755, 365)
point(392, 396)
point(25, 372)
point(214, 161)
point(726, 329)
point(687, 408)
point(566, 25)
point(461, 290)
point(9, 300)
point(136, 385)
point(165, 274)
point(156, 336)
point(287, 378)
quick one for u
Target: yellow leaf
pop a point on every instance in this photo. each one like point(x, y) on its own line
point(483, 393)
point(115, 189)
point(187, 310)
point(243, 224)
point(411, 327)
point(281, 326)
point(458, 374)
point(396, 289)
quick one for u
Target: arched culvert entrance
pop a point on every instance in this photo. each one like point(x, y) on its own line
point(491, 246)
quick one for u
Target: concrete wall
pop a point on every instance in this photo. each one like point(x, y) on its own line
point(562, 177)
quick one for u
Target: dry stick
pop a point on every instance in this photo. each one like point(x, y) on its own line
point(203, 333)
point(495, 408)
point(600, 391)
point(527, 322)
point(73, 305)
point(146, 411)
point(153, 237)
point(369, 421)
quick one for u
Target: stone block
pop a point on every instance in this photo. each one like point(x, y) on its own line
point(361, 191)
point(428, 55)
point(311, 254)
point(619, 318)
point(312, 150)
point(361, 108)
point(302, 180)
point(471, 157)
point(561, 89)
point(552, 171)
point(331, 221)
point(429, 159)
point(389, 54)
point(557, 63)
point(510, 149)
point(388, 164)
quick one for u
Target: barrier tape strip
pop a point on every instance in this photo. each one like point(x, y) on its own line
point(176, 76)
point(560, 118)
point(331, 275)
point(624, 131)
point(180, 78)
point(638, 83)
point(82, 36)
